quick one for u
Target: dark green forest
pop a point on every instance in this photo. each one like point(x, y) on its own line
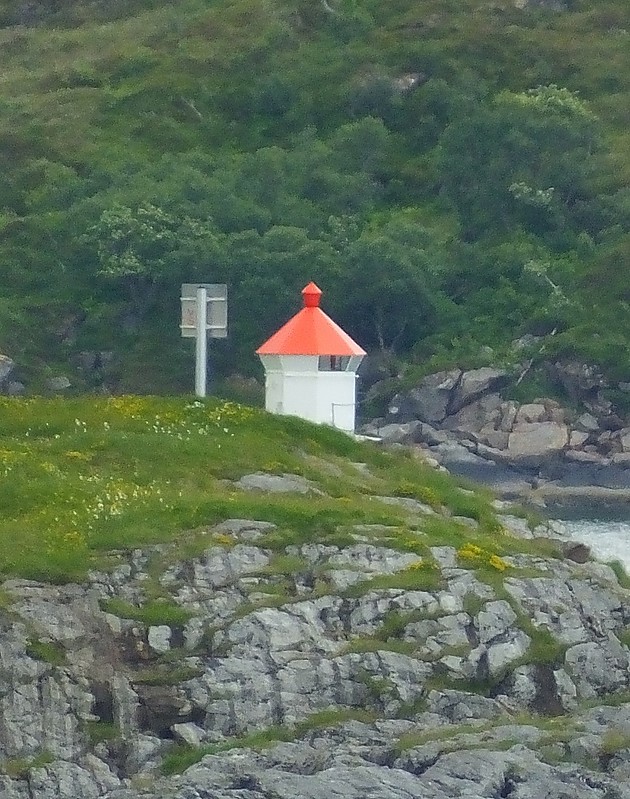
point(454, 174)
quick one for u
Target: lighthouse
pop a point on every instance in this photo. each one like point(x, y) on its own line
point(311, 367)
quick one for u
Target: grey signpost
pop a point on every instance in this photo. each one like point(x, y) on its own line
point(204, 311)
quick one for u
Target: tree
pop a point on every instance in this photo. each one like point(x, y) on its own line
point(389, 294)
point(520, 159)
point(141, 248)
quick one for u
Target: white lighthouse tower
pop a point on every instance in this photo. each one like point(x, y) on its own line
point(311, 367)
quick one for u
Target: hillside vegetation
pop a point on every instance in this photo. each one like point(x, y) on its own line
point(453, 174)
point(83, 480)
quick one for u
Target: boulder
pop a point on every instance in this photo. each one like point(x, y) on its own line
point(536, 440)
point(587, 423)
point(481, 413)
point(474, 384)
point(60, 383)
point(277, 483)
point(6, 368)
point(407, 433)
point(532, 412)
point(428, 402)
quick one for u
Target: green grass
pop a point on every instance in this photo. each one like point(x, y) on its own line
point(166, 674)
point(85, 477)
point(181, 757)
point(99, 731)
point(621, 573)
point(46, 651)
point(153, 613)
point(82, 477)
point(422, 579)
point(19, 768)
point(557, 729)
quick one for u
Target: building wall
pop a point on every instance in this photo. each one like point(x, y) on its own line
point(335, 400)
point(295, 387)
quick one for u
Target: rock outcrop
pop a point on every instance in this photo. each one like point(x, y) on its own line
point(366, 671)
point(461, 420)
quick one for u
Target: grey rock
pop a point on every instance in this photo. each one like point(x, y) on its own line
point(459, 706)
point(374, 560)
point(496, 439)
point(221, 567)
point(277, 484)
point(406, 433)
point(586, 423)
point(516, 526)
point(508, 411)
point(578, 456)
point(451, 453)
point(577, 439)
point(350, 783)
point(61, 383)
point(6, 368)
point(244, 529)
point(427, 434)
point(428, 402)
point(159, 638)
point(63, 780)
point(625, 441)
point(533, 412)
point(414, 506)
point(599, 668)
point(536, 440)
point(14, 388)
point(621, 459)
point(189, 733)
point(474, 417)
point(474, 384)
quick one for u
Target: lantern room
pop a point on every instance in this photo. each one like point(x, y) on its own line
point(311, 367)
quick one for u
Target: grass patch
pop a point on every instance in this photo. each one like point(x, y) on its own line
point(181, 757)
point(614, 741)
point(46, 651)
point(84, 476)
point(621, 573)
point(422, 579)
point(166, 674)
point(19, 768)
point(152, 614)
point(100, 731)
point(412, 739)
point(473, 604)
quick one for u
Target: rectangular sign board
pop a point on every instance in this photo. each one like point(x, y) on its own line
point(216, 314)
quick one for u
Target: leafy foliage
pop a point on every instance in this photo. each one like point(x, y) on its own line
point(417, 178)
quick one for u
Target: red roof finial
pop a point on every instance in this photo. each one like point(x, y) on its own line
point(312, 295)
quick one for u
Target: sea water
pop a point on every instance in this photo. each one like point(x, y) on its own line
point(608, 539)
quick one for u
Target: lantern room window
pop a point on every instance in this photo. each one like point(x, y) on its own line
point(333, 363)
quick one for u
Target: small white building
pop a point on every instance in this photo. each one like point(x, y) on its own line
point(311, 367)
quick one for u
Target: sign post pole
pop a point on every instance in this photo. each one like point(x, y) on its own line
point(201, 342)
point(204, 313)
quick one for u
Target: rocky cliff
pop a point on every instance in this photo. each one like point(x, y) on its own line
point(347, 670)
point(464, 421)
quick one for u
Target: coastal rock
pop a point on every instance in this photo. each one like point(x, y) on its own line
point(474, 384)
point(6, 369)
point(428, 402)
point(277, 483)
point(474, 417)
point(535, 440)
point(90, 703)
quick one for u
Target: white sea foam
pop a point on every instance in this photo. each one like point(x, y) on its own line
point(608, 540)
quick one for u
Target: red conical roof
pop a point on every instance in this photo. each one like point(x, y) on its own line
point(310, 332)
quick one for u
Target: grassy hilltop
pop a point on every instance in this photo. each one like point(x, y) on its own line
point(85, 479)
point(454, 174)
